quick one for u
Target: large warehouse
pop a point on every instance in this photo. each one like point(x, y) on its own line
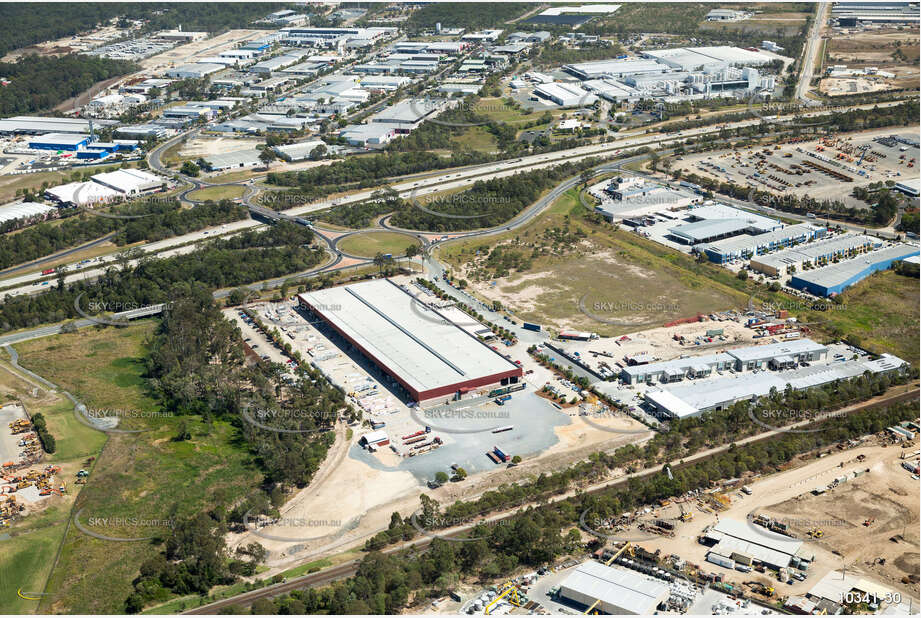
point(617, 591)
point(712, 222)
point(740, 359)
point(695, 398)
point(426, 353)
point(816, 254)
point(834, 279)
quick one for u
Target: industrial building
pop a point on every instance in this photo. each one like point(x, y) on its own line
point(300, 151)
point(741, 359)
point(614, 68)
point(24, 210)
point(368, 134)
point(624, 198)
point(695, 398)
point(750, 544)
point(82, 194)
point(818, 253)
point(712, 222)
point(59, 141)
point(565, 95)
point(233, 160)
point(834, 279)
point(849, 14)
point(129, 182)
point(746, 246)
point(617, 591)
point(701, 58)
point(409, 113)
point(419, 348)
point(194, 71)
point(911, 188)
point(37, 125)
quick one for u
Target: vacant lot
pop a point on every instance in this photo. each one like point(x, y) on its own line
point(586, 276)
point(882, 311)
point(369, 244)
point(226, 192)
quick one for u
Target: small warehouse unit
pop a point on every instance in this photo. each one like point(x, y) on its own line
point(617, 591)
point(746, 246)
point(420, 348)
point(834, 279)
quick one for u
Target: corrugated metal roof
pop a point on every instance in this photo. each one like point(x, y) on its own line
point(619, 588)
point(837, 274)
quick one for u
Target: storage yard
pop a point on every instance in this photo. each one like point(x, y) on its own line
point(823, 168)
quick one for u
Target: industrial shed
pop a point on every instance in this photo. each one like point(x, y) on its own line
point(618, 591)
point(746, 246)
point(834, 279)
point(771, 549)
point(695, 398)
point(420, 348)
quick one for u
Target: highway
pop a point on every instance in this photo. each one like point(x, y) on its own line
point(812, 47)
point(449, 179)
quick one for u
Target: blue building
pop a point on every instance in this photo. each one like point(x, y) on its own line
point(59, 141)
point(834, 279)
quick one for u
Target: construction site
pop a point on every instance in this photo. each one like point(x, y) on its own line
point(827, 167)
point(785, 536)
point(26, 483)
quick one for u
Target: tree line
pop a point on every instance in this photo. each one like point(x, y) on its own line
point(487, 203)
point(159, 219)
point(244, 258)
point(38, 83)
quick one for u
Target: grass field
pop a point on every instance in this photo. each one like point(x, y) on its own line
point(882, 310)
point(9, 184)
point(369, 244)
point(229, 192)
point(144, 475)
point(476, 138)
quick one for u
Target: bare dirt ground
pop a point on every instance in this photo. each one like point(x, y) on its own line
point(349, 501)
point(205, 147)
point(208, 47)
point(887, 493)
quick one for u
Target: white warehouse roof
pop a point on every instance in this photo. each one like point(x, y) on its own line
point(619, 590)
point(128, 181)
point(22, 210)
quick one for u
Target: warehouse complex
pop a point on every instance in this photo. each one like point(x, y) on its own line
point(743, 359)
point(818, 254)
point(617, 591)
point(695, 398)
point(746, 246)
point(834, 279)
point(418, 347)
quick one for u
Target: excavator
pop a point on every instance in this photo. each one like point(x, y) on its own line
point(686, 515)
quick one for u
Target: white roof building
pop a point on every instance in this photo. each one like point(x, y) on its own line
point(129, 181)
point(82, 194)
point(617, 591)
point(23, 210)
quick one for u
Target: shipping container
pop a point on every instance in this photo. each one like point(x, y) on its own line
point(529, 326)
point(723, 561)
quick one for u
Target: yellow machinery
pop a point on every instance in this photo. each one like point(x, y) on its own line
point(686, 515)
point(816, 533)
point(509, 590)
point(628, 549)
